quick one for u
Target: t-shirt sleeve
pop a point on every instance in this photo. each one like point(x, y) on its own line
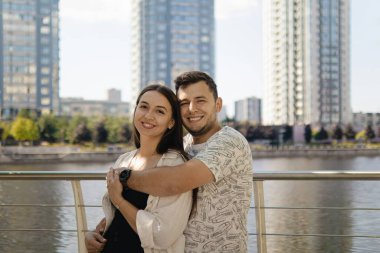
point(220, 154)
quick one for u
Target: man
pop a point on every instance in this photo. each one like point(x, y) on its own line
point(221, 169)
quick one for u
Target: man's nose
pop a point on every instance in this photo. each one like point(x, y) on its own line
point(192, 107)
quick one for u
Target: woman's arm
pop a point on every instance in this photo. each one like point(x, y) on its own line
point(115, 189)
point(164, 221)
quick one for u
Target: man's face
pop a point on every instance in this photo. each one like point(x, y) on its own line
point(198, 108)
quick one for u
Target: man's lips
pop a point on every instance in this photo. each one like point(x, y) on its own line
point(195, 119)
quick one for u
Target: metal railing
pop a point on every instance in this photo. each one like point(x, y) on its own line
point(258, 179)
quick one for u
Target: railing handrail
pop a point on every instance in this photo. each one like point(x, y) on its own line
point(262, 175)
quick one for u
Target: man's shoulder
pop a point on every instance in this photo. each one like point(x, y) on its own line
point(229, 133)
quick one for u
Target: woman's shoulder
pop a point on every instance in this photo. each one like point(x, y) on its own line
point(124, 157)
point(173, 156)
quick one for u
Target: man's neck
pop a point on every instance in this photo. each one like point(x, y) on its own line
point(203, 138)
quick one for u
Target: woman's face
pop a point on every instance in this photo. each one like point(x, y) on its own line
point(153, 115)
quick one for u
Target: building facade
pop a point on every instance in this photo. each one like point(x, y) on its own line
point(248, 110)
point(307, 62)
point(170, 37)
point(361, 120)
point(113, 106)
point(29, 52)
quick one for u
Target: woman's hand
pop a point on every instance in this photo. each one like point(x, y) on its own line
point(115, 188)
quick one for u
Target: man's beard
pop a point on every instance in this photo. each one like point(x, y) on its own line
point(205, 129)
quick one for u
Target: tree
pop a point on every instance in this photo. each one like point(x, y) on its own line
point(125, 133)
point(24, 129)
point(253, 133)
point(49, 128)
point(100, 133)
point(308, 134)
point(287, 134)
point(6, 129)
point(114, 126)
point(71, 132)
point(82, 134)
point(369, 133)
point(28, 114)
point(337, 133)
point(350, 133)
point(322, 134)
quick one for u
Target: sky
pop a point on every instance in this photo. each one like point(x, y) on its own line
point(95, 50)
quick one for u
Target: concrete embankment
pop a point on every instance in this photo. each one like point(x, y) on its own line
point(23, 155)
point(310, 152)
point(56, 155)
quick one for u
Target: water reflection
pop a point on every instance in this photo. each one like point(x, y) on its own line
point(57, 218)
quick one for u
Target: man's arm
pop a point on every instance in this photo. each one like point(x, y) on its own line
point(171, 180)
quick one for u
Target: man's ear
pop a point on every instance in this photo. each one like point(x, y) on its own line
point(219, 104)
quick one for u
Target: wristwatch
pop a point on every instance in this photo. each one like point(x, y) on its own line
point(124, 176)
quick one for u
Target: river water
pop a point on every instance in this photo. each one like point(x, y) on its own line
point(357, 194)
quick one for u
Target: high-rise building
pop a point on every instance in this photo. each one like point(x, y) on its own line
point(170, 37)
point(248, 110)
point(29, 53)
point(307, 62)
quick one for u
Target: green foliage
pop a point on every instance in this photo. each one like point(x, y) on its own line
point(28, 114)
point(72, 128)
point(337, 133)
point(350, 133)
point(100, 133)
point(5, 130)
point(24, 129)
point(114, 127)
point(308, 133)
point(360, 136)
point(125, 133)
point(81, 134)
point(49, 128)
point(321, 135)
point(369, 133)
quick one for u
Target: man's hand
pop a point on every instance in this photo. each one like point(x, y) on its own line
point(101, 226)
point(94, 240)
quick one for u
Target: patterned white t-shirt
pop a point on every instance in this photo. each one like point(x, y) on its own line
point(220, 220)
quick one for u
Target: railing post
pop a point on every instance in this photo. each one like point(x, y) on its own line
point(80, 215)
point(258, 191)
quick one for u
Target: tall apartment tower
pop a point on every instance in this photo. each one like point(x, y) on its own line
point(170, 37)
point(29, 53)
point(248, 110)
point(307, 62)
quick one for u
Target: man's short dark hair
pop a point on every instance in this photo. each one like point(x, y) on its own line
point(192, 77)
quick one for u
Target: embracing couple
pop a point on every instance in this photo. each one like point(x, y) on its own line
point(175, 194)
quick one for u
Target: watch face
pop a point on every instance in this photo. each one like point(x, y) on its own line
point(124, 175)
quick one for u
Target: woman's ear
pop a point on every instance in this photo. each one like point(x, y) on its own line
point(171, 124)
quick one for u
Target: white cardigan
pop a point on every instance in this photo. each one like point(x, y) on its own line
point(161, 224)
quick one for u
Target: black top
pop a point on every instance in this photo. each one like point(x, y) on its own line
point(120, 235)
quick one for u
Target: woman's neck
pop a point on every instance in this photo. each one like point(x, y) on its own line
point(148, 147)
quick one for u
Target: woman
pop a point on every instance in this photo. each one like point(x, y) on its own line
point(135, 221)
